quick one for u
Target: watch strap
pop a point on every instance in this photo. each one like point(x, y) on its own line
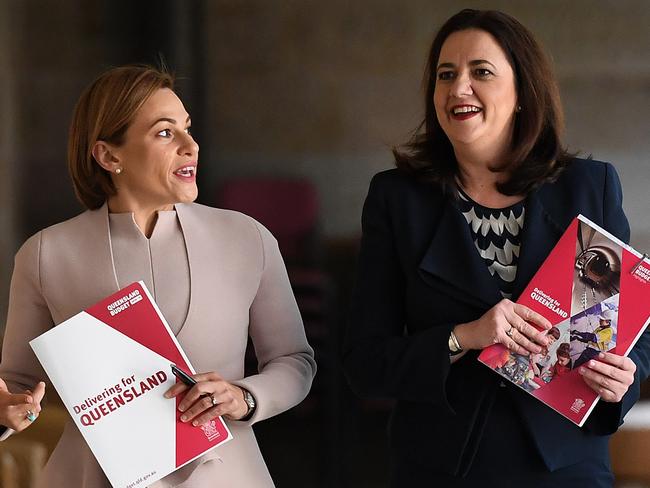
point(250, 403)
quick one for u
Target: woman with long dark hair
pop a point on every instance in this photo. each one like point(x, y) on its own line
point(478, 199)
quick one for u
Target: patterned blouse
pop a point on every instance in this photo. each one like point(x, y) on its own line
point(496, 233)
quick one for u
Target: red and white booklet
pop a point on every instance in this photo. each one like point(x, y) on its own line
point(594, 290)
point(111, 365)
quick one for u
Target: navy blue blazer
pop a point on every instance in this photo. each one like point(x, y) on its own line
point(419, 274)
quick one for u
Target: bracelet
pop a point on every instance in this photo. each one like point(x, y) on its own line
point(454, 345)
point(455, 339)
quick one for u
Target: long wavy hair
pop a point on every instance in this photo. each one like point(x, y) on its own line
point(536, 154)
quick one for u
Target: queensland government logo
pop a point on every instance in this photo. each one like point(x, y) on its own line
point(210, 430)
point(578, 405)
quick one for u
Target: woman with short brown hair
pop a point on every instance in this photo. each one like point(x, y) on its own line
point(103, 113)
point(216, 275)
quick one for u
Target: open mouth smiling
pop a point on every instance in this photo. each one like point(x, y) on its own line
point(465, 109)
point(187, 171)
point(462, 112)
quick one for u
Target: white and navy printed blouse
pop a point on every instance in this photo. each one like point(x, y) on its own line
point(496, 233)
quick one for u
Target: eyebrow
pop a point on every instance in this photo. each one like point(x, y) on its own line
point(474, 62)
point(171, 121)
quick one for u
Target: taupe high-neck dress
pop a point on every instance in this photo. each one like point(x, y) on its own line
point(217, 276)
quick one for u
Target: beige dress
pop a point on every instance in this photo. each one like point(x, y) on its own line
point(218, 278)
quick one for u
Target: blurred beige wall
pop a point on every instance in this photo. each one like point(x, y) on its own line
point(323, 89)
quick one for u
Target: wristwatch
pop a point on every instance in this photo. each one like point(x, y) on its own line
point(250, 402)
point(453, 344)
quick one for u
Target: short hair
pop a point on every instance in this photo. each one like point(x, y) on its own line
point(564, 350)
point(555, 332)
point(104, 112)
point(536, 153)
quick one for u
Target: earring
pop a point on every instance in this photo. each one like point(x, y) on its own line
point(118, 170)
point(518, 109)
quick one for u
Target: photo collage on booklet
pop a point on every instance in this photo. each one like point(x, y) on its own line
point(592, 325)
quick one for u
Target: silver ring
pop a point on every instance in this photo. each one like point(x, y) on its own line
point(510, 331)
point(29, 415)
point(213, 400)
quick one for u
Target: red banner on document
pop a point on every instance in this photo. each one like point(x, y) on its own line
point(111, 365)
point(594, 290)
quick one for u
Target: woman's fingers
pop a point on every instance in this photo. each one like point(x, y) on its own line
point(605, 394)
point(601, 385)
point(529, 337)
point(516, 348)
point(533, 334)
point(39, 392)
point(610, 376)
point(198, 407)
point(512, 342)
point(620, 362)
point(198, 414)
point(519, 331)
point(199, 391)
point(199, 378)
point(529, 315)
point(210, 376)
point(17, 417)
point(16, 409)
point(206, 416)
point(204, 408)
point(523, 342)
point(511, 324)
point(37, 396)
point(211, 397)
point(176, 390)
point(12, 399)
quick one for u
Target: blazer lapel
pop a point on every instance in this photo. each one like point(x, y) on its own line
point(196, 255)
point(100, 247)
point(81, 272)
point(452, 258)
point(540, 234)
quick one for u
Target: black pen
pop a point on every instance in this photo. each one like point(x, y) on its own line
point(183, 376)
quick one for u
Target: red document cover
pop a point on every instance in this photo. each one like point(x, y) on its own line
point(111, 364)
point(593, 288)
